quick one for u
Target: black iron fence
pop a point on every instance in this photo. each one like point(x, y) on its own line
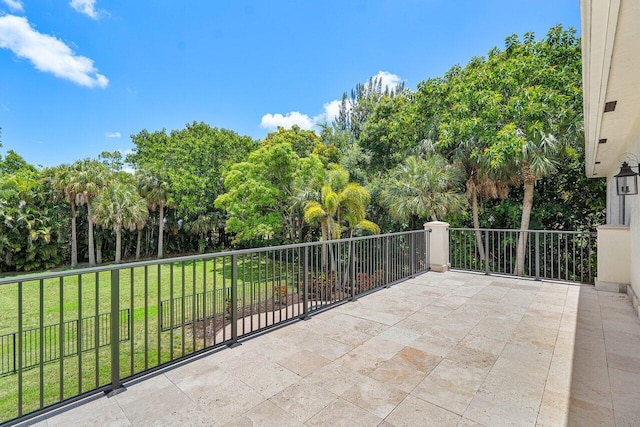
point(553, 255)
point(49, 343)
point(175, 308)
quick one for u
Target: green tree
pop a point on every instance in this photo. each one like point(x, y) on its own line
point(261, 192)
point(156, 194)
point(89, 177)
point(423, 188)
point(523, 105)
point(120, 207)
point(340, 205)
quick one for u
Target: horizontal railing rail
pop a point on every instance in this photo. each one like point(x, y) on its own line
point(176, 308)
point(547, 254)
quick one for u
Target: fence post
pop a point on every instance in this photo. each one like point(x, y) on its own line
point(305, 284)
point(428, 248)
point(386, 262)
point(537, 255)
point(234, 302)
point(412, 258)
point(116, 384)
point(486, 251)
point(352, 269)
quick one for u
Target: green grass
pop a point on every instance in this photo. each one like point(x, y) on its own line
point(53, 301)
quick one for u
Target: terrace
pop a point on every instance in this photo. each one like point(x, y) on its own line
point(439, 349)
point(349, 332)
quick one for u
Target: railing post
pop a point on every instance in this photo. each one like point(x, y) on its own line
point(537, 240)
point(305, 283)
point(412, 258)
point(427, 250)
point(234, 302)
point(352, 269)
point(386, 262)
point(486, 251)
point(116, 384)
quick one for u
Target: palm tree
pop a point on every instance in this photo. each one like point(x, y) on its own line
point(90, 177)
point(539, 159)
point(64, 181)
point(156, 195)
point(425, 188)
point(482, 181)
point(339, 203)
point(120, 206)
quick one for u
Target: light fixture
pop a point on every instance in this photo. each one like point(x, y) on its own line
point(626, 180)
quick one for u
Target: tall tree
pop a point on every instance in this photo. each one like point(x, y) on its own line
point(120, 207)
point(90, 177)
point(156, 194)
point(523, 104)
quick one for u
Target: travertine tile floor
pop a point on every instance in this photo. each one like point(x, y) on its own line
point(440, 349)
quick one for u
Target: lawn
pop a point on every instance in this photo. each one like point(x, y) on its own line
point(159, 301)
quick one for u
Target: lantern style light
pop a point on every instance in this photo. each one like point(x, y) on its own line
point(626, 181)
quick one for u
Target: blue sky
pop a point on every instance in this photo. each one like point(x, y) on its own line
point(78, 77)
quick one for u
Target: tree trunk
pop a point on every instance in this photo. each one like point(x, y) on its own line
point(161, 231)
point(92, 252)
point(433, 216)
point(138, 244)
point(118, 244)
point(99, 250)
point(476, 224)
point(74, 238)
point(527, 204)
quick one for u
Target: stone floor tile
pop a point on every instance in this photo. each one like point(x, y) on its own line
point(487, 411)
point(583, 413)
point(398, 374)
point(472, 357)
point(377, 397)
point(335, 377)
point(534, 335)
point(341, 413)
point(434, 345)
point(266, 414)
point(625, 391)
point(185, 417)
point(303, 399)
point(98, 412)
point(304, 362)
point(152, 398)
point(485, 344)
point(399, 335)
point(451, 385)
point(267, 378)
point(224, 398)
point(554, 409)
point(417, 412)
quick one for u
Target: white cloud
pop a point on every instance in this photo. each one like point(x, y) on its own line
point(272, 121)
point(48, 53)
point(113, 135)
point(14, 5)
point(87, 7)
point(388, 79)
point(330, 109)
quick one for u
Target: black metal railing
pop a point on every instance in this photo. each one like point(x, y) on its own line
point(77, 335)
point(175, 308)
point(553, 255)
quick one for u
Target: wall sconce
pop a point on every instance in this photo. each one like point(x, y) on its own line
point(626, 180)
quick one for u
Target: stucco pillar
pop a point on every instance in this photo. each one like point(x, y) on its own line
point(438, 245)
point(614, 258)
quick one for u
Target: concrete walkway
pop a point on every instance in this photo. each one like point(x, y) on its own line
point(441, 349)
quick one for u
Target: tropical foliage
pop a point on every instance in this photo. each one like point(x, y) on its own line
point(479, 146)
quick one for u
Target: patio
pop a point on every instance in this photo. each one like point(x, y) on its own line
point(440, 349)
